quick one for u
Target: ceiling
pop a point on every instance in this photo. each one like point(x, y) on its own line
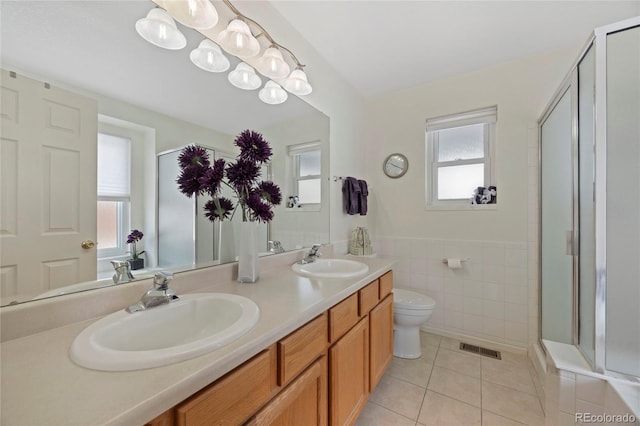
point(377, 46)
point(383, 46)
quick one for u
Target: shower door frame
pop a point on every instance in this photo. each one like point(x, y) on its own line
point(597, 41)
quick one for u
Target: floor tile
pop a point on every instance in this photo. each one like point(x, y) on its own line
point(375, 415)
point(513, 404)
point(429, 352)
point(455, 385)
point(429, 339)
point(491, 419)
point(450, 343)
point(513, 375)
point(458, 362)
point(399, 396)
point(440, 410)
point(416, 371)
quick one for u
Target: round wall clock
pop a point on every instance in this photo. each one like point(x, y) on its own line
point(395, 165)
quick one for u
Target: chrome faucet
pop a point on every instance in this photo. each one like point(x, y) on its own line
point(312, 255)
point(275, 247)
point(160, 294)
point(123, 271)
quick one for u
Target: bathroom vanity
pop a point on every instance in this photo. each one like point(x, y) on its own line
point(316, 353)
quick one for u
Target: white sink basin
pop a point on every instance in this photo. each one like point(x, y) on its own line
point(189, 327)
point(331, 268)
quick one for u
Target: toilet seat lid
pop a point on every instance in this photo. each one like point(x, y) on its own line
point(407, 299)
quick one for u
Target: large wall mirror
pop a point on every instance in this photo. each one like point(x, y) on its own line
point(79, 70)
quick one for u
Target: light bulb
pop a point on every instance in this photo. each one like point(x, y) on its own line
point(244, 77)
point(207, 56)
point(159, 29)
point(272, 93)
point(198, 14)
point(237, 40)
point(297, 83)
point(272, 65)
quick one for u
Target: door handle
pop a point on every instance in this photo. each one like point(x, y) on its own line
point(569, 243)
point(87, 244)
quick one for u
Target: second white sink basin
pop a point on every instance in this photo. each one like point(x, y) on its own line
point(189, 327)
point(331, 268)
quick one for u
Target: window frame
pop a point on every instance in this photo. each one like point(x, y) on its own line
point(485, 116)
point(294, 151)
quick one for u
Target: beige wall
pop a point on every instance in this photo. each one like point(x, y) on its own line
point(396, 123)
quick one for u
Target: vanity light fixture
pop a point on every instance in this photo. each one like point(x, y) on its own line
point(244, 77)
point(238, 40)
point(198, 14)
point(272, 93)
point(209, 57)
point(272, 65)
point(159, 29)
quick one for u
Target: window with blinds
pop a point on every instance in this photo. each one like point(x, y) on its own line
point(459, 150)
point(306, 164)
point(114, 194)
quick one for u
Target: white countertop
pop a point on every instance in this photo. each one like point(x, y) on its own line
point(40, 385)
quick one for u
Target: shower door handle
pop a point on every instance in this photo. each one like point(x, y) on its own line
point(569, 243)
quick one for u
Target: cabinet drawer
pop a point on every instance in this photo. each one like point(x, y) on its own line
point(386, 284)
point(342, 317)
point(301, 348)
point(367, 298)
point(235, 397)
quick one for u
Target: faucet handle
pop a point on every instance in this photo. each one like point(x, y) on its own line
point(161, 280)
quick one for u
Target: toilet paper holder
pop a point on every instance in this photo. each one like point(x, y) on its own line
point(446, 261)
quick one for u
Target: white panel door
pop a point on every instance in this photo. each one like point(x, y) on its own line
point(48, 170)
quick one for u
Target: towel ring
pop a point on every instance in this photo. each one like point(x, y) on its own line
point(395, 165)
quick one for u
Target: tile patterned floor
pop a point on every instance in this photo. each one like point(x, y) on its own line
point(447, 386)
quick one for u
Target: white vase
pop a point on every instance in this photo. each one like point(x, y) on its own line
point(226, 242)
point(248, 269)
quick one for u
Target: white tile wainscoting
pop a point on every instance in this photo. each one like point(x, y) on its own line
point(489, 299)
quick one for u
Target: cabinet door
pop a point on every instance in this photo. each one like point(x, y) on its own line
point(349, 374)
point(303, 402)
point(381, 339)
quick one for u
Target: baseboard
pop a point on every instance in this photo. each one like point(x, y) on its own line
point(490, 344)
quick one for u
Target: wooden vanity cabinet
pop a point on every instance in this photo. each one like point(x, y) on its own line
point(320, 374)
point(380, 340)
point(349, 375)
point(302, 402)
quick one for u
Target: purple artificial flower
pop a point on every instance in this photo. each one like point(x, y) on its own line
point(189, 180)
point(253, 147)
point(212, 177)
point(218, 208)
point(134, 236)
point(260, 210)
point(242, 173)
point(193, 155)
point(270, 192)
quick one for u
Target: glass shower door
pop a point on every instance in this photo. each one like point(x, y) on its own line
point(556, 235)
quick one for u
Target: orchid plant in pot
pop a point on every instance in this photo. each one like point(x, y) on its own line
point(255, 198)
point(136, 261)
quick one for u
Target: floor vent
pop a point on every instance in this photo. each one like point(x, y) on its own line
point(481, 351)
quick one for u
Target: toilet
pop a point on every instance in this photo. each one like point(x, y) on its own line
point(410, 310)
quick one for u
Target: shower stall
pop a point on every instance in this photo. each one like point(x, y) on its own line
point(590, 205)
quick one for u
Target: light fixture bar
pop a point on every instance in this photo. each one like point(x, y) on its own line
point(263, 32)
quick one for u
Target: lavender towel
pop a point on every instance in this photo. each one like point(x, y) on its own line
point(350, 195)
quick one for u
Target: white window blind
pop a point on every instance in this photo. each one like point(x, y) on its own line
point(114, 166)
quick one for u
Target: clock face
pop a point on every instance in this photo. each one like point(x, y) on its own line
point(395, 165)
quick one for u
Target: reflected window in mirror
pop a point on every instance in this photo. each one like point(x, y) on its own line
point(114, 195)
point(306, 162)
